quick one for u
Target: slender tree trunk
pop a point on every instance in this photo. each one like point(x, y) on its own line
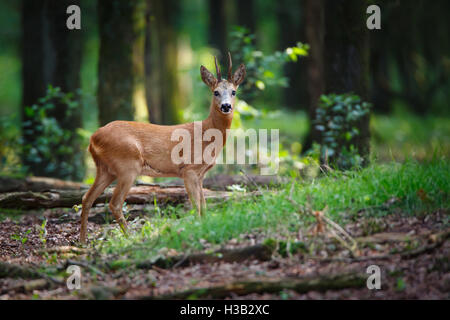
point(347, 56)
point(218, 26)
point(245, 11)
point(152, 70)
point(339, 57)
point(121, 66)
point(315, 30)
point(290, 15)
point(162, 90)
point(51, 55)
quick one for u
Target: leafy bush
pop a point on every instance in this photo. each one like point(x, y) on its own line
point(54, 148)
point(261, 68)
point(337, 122)
point(9, 145)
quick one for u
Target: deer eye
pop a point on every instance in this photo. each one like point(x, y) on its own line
point(233, 93)
point(216, 93)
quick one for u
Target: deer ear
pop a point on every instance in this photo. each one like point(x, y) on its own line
point(207, 77)
point(239, 75)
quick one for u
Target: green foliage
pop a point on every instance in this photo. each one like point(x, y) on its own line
point(54, 146)
point(274, 217)
point(22, 239)
point(337, 121)
point(10, 143)
point(402, 134)
point(261, 68)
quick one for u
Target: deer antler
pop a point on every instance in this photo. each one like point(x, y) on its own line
point(230, 66)
point(219, 75)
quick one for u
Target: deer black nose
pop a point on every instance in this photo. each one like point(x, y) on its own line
point(225, 107)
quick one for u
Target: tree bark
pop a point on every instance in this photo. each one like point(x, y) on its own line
point(161, 62)
point(245, 11)
point(51, 55)
point(290, 16)
point(121, 63)
point(218, 26)
point(315, 30)
point(339, 57)
point(347, 57)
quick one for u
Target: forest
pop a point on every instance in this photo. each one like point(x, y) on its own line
point(333, 182)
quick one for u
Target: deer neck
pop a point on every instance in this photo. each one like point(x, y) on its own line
point(218, 120)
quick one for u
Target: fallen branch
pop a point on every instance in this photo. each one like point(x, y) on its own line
point(136, 195)
point(84, 265)
point(9, 270)
point(437, 240)
point(27, 286)
point(261, 252)
point(37, 184)
point(64, 249)
point(317, 283)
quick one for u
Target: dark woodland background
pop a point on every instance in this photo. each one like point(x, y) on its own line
point(140, 59)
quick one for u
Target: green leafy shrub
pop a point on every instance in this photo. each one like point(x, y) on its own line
point(9, 145)
point(54, 150)
point(261, 68)
point(337, 122)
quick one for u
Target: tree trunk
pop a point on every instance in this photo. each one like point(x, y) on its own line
point(290, 17)
point(218, 26)
point(314, 29)
point(51, 55)
point(339, 57)
point(245, 11)
point(120, 66)
point(347, 56)
point(162, 90)
point(152, 70)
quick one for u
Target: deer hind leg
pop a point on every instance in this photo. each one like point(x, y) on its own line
point(124, 184)
point(102, 180)
point(202, 198)
point(193, 189)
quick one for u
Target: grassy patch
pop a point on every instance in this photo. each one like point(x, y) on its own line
point(417, 188)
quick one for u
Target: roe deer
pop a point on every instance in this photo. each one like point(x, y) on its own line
point(122, 150)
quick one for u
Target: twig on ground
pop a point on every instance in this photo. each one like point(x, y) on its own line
point(85, 265)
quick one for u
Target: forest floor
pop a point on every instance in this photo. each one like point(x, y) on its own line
point(315, 254)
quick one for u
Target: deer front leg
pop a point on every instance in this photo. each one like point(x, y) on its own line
point(193, 189)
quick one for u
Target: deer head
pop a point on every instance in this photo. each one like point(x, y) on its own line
point(224, 91)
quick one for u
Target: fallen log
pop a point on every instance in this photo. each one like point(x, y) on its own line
point(37, 184)
point(27, 286)
point(222, 181)
point(261, 252)
point(9, 270)
point(137, 195)
point(320, 283)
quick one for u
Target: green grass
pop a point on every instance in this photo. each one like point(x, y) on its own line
point(403, 135)
point(274, 215)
